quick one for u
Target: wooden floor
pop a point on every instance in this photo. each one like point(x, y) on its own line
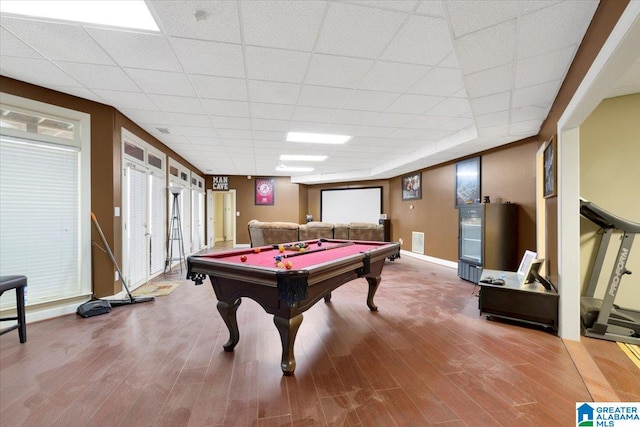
point(425, 358)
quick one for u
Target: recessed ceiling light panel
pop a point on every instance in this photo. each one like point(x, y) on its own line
point(112, 13)
point(317, 138)
point(302, 158)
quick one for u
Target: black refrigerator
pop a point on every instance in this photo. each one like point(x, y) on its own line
point(487, 238)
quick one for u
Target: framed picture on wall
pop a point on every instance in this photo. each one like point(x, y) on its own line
point(468, 181)
point(412, 187)
point(549, 172)
point(265, 191)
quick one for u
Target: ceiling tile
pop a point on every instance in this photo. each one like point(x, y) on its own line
point(13, 46)
point(401, 5)
point(219, 87)
point(439, 82)
point(413, 104)
point(370, 100)
point(267, 135)
point(271, 111)
point(353, 117)
point(488, 48)
point(421, 40)
point(273, 92)
point(276, 64)
point(231, 122)
point(540, 95)
point(271, 125)
point(427, 122)
point(144, 116)
point(177, 104)
point(492, 119)
point(431, 8)
point(491, 103)
point(318, 96)
point(314, 114)
point(392, 76)
point(198, 132)
point(136, 50)
point(161, 82)
point(489, 82)
point(209, 58)
point(523, 114)
point(182, 119)
point(63, 42)
point(451, 107)
point(337, 71)
point(226, 134)
point(218, 107)
point(554, 27)
point(220, 22)
point(544, 68)
point(392, 119)
point(469, 16)
point(36, 71)
point(284, 24)
point(368, 30)
point(94, 76)
point(126, 100)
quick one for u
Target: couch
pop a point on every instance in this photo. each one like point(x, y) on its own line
point(270, 233)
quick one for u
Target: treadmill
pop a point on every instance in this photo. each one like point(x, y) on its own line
point(602, 318)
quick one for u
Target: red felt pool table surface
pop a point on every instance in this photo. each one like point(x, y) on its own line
point(313, 254)
point(287, 293)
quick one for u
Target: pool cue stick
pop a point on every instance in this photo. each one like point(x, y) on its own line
point(132, 299)
point(340, 245)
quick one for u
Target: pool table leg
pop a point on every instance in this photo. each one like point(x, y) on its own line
point(288, 328)
point(373, 287)
point(327, 297)
point(228, 313)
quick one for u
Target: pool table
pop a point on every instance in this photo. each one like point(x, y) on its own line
point(304, 273)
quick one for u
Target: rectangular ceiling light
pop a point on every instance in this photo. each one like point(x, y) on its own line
point(112, 13)
point(283, 168)
point(317, 138)
point(302, 158)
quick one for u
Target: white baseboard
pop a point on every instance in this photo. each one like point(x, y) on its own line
point(434, 260)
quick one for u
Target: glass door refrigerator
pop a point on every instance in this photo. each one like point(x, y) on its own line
point(487, 238)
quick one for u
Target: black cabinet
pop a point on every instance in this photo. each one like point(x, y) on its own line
point(530, 303)
point(487, 238)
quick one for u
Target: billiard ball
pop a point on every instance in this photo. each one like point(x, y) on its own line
point(281, 248)
point(280, 264)
point(319, 243)
point(243, 258)
point(256, 250)
point(288, 265)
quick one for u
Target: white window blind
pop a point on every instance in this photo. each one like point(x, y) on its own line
point(40, 217)
point(136, 227)
point(158, 221)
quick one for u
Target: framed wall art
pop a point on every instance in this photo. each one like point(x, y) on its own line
point(412, 187)
point(549, 172)
point(265, 191)
point(468, 181)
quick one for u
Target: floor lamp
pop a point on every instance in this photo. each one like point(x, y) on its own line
point(175, 233)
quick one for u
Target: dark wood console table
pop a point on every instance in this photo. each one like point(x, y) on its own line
point(529, 303)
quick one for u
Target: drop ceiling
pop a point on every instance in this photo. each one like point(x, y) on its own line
point(416, 83)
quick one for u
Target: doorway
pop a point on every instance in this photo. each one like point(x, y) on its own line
point(221, 227)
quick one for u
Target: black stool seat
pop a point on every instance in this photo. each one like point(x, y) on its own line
point(18, 283)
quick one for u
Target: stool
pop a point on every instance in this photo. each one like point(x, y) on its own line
point(18, 283)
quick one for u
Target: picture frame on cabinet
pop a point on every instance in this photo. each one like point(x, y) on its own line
point(467, 182)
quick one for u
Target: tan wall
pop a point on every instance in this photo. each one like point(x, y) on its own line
point(609, 177)
point(604, 20)
point(106, 167)
point(508, 174)
point(286, 205)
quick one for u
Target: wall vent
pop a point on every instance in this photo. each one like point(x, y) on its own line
point(163, 130)
point(417, 242)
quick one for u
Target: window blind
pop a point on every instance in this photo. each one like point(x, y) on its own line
point(39, 218)
point(136, 227)
point(158, 221)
